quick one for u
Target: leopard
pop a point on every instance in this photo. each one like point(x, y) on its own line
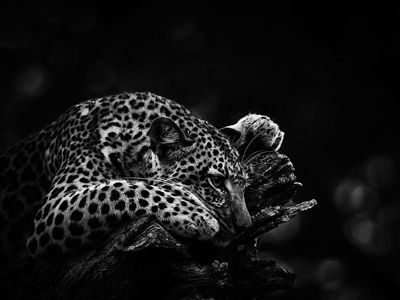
point(111, 160)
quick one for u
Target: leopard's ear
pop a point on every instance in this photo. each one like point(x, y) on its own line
point(234, 135)
point(167, 139)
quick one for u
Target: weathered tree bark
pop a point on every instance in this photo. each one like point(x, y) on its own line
point(142, 260)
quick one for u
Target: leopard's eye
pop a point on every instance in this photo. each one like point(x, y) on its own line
point(217, 182)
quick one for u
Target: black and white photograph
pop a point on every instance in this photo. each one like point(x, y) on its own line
point(199, 150)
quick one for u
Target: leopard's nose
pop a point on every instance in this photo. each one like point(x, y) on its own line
point(242, 219)
point(240, 214)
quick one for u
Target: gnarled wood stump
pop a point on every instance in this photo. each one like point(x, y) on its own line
point(142, 260)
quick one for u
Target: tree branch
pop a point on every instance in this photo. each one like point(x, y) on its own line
point(144, 260)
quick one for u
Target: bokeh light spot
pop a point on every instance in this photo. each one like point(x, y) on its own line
point(31, 81)
point(330, 274)
point(368, 235)
point(353, 196)
point(362, 230)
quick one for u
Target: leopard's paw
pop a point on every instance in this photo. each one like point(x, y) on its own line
point(255, 128)
point(201, 226)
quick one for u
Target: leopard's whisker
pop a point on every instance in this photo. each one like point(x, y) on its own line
point(248, 145)
point(257, 154)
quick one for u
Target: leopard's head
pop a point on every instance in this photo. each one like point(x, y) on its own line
point(201, 157)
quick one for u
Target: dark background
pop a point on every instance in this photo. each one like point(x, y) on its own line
point(327, 74)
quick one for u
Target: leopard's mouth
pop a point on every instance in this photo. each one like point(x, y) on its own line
point(224, 236)
point(226, 227)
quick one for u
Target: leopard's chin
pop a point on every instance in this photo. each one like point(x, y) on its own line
point(222, 239)
point(220, 243)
